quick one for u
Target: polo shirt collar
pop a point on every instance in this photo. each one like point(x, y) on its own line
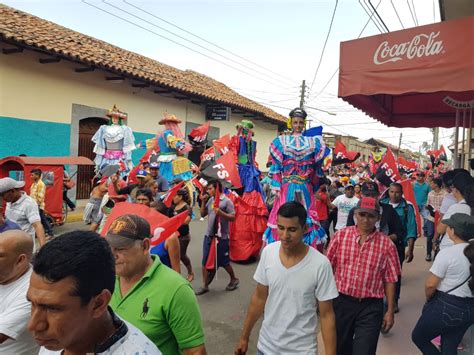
point(20, 200)
point(154, 266)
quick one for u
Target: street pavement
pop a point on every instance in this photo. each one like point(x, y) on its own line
point(224, 312)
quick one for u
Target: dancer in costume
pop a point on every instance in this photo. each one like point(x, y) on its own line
point(296, 165)
point(251, 211)
point(114, 143)
point(172, 148)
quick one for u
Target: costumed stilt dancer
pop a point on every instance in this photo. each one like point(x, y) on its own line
point(296, 165)
point(114, 144)
point(251, 211)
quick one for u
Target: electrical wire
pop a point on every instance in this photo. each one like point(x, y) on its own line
point(414, 11)
point(324, 46)
point(189, 41)
point(180, 44)
point(207, 41)
point(371, 17)
point(412, 17)
point(396, 12)
point(378, 15)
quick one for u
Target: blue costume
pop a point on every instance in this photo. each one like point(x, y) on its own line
point(172, 166)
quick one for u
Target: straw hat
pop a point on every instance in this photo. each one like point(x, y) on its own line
point(115, 112)
point(169, 119)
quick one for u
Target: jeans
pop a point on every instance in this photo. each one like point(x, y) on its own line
point(45, 223)
point(398, 285)
point(259, 352)
point(68, 201)
point(358, 324)
point(446, 315)
point(428, 229)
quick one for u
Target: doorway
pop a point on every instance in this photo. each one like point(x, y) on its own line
point(85, 174)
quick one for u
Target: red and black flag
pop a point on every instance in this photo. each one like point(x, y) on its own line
point(340, 155)
point(222, 144)
point(437, 155)
point(388, 170)
point(406, 166)
point(225, 170)
point(168, 200)
point(198, 136)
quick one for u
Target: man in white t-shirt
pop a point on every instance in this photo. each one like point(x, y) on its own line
point(70, 288)
point(344, 204)
point(292, 281)
point(16, 249)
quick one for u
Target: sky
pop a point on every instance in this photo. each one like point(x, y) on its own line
point(263, 49)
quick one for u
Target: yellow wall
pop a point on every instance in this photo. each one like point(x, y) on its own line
point(46, 92)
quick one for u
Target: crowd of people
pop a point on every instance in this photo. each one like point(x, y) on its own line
point(334, 249)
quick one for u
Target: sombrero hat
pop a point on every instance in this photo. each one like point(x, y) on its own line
point(115, 112)
point(169, 119)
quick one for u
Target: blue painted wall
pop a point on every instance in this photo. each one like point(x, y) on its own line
point(33, 138)
point(41, 139)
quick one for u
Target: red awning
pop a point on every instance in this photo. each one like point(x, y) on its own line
point(401, 78)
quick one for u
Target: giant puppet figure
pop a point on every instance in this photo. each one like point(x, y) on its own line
point(251, 211)
point(172, 147)
point(114, 143)
point(294, 173)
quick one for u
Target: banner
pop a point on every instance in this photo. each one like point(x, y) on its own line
point(388, 172)
point(198, 135)
point(340, 155)
point(225, 170)
point(208, 154)
point(437, 155)
point(161, 226)
point(405, 166)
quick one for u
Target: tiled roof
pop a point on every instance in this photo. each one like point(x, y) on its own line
point(26, 29)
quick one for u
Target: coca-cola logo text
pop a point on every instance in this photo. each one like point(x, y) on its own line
point(421, 45)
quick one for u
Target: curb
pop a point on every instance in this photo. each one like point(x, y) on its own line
point(74, 217)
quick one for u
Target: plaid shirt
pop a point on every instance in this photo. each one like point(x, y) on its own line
point(435, 200)
point(361, 270)
point(38, 192)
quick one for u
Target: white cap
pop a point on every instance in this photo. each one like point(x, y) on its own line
point(7, 184)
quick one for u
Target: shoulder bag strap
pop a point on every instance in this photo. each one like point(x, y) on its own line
point(455, 288)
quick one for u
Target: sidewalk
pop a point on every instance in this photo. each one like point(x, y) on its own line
point(76, 215)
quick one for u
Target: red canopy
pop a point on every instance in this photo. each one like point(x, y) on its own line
point(401, 78)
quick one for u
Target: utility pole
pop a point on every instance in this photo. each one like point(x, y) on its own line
point(435, 137)
point(399, 145)
point(303, 89)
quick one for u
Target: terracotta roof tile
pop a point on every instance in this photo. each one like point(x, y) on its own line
point(22, 27)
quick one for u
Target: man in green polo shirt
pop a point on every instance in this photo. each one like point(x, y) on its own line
point(151, 296)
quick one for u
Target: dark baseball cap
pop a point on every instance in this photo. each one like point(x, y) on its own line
point(462, 223)
point(369, 205)
point(127, 229)
point(369, 188)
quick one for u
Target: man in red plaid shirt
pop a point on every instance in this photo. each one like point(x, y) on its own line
point(366, 265)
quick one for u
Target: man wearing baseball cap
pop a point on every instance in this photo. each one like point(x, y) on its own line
point(163, 185)
point(151, 296)
point(132, 189)
point(344, 203)
point(21, 208)
point(366, 268)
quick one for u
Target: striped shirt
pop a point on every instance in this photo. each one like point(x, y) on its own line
point(38, 192)
point(361, 270)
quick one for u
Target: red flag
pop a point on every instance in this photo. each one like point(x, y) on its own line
point(406, 166)
point(132, 176)
point(437, 155)
point(198, 135)
point(161, 226)
point(208, 154)
point(168, 200)
point(222, 144)
point(388, 171)
point(211, 257)
point(340, 155)
point(217, 197)
point(409, 195)
point(225, 170)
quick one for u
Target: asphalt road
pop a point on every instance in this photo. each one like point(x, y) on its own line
point(223, 312)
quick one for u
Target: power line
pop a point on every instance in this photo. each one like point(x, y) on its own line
point(396, 12)
point(378, 16)
point(414, 11)
point(324, 47)
point(180, 44)
point(188, 40)
point(263, 91)
point(205, 40)
point(370, 17)
point(360, 34)
point(413, 17)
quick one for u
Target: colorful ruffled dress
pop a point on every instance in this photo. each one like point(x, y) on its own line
point(295, 171)
point(172, 165)
point(113, 146)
